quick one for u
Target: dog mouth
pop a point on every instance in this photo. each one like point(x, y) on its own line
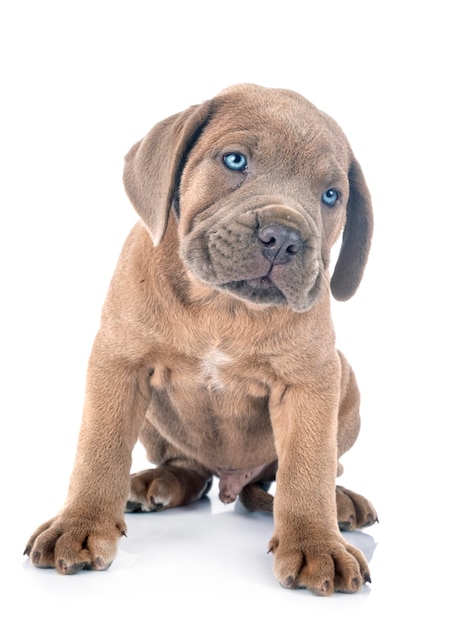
point(264, 282)
point(260, 290)
point(273, 291)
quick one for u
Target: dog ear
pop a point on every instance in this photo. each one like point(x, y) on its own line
point(153, 166)
point(356, 238)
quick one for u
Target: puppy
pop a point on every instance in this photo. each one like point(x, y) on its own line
point(216, 346)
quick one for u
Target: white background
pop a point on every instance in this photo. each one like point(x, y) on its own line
point(80, 83)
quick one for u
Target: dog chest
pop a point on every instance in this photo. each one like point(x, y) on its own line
point(211, 367)
point(221, 373)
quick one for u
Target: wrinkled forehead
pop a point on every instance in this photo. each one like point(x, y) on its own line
point(272, 121)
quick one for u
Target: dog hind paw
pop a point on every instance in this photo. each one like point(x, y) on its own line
point(165, 487)
point(354, 511)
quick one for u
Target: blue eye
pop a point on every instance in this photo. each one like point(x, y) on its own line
point(235, 161)
point(329, 197)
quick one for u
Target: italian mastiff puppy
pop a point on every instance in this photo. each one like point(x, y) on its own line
point(216, 347)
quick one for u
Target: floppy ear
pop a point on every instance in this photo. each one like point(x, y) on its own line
point(153, 166)
point(356, 238)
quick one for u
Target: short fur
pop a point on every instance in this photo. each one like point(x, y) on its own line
point(216, 344)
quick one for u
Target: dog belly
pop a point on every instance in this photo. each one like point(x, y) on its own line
point(233, 439)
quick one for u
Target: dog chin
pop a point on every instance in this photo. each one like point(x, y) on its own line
point(263, 292)
point(256, 290)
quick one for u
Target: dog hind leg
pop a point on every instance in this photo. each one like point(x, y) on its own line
point(255, 498)
point(175, 481)
point(354, 511)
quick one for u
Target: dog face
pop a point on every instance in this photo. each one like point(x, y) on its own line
point(262, 183)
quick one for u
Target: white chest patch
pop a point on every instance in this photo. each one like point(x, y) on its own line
point(211, 368)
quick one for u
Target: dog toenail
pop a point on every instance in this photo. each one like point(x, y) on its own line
point(99, 565)
point(325, 587)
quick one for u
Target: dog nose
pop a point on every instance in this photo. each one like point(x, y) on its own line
point(279, 243)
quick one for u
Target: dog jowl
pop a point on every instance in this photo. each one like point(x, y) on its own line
point(216, 347)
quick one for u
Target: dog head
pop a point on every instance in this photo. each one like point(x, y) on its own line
point(261, 183)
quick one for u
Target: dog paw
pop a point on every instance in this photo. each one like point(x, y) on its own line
point(70, 542)
point(165, 487)
point(354, 511)
point(323, 564)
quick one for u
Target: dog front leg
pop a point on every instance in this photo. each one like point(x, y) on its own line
point(309, 551)
point(85, 532)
